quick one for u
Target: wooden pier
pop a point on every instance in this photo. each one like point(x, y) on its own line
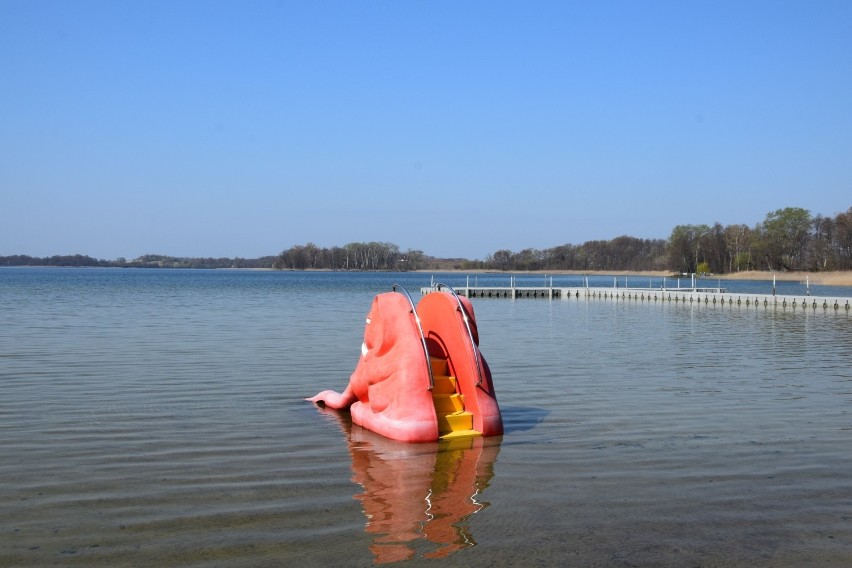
point(683, 296)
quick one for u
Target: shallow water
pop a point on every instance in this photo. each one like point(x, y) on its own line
point(156, 418)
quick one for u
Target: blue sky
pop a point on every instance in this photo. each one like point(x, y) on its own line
point(458, 128)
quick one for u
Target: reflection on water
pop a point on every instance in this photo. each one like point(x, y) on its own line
point(157, 418)
point(418, 498)
point(521, 418)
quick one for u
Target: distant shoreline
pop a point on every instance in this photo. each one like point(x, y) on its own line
point(830, 278)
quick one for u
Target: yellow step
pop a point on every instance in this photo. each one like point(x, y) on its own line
point(454, 422)
point(444, 385)
point(439, 366)
point(459, 435)
point(448, 403)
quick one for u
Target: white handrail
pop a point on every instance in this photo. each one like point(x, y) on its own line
point(469, 331)
point(422, 337)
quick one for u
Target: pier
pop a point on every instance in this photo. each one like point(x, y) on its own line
point(676, 296)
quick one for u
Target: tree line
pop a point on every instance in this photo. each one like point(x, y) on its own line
point(353, 256)
point(787, 239)
point(144, 261)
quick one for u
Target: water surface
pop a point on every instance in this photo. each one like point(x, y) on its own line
point(156, 418)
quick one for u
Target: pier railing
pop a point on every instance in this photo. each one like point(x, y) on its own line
point(675, 296)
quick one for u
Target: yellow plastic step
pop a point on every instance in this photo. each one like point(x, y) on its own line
point(439, 366)
point(448, 403)
point(454, 422)
point(444, 385)
point(459, 435)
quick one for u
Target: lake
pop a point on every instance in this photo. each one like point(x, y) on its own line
point(157, 418)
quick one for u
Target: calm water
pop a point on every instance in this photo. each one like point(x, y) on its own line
point(156, 418)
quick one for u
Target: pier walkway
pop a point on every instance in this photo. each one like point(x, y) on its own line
point(694, 296)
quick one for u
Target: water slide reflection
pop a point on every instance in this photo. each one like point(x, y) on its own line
point(418, 498)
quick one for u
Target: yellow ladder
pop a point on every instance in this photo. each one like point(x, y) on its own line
point(453, 420)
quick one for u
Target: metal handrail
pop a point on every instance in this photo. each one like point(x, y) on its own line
point(438, 287)
point(422, 337)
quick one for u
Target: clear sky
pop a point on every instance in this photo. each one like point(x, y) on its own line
point(242, 128)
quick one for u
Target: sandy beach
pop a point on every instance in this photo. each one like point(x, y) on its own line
point(833, 278)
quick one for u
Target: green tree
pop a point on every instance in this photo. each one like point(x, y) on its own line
point(685, 247)
point(738, 243)
point(843, 239)
point(500, 260)
point(785, 234)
